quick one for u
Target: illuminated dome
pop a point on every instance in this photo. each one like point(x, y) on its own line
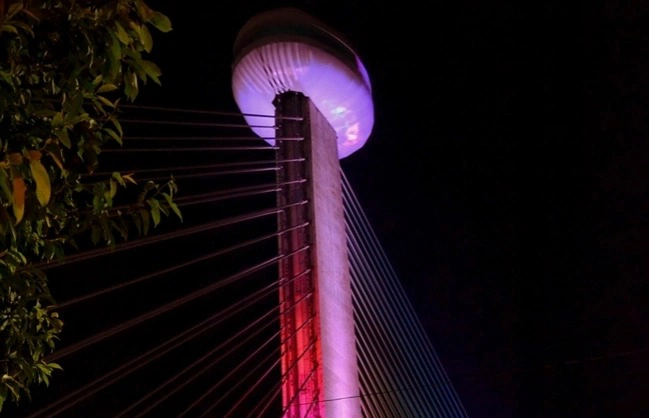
point(288, 50)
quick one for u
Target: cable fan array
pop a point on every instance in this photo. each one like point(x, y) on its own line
point(399, 371)
point(184, 322)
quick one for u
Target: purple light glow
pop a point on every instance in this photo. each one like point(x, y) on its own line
point(288, 62)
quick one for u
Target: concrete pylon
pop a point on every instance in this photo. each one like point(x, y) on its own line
point(319, 361)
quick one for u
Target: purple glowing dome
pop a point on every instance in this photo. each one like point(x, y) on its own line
point(288, 50)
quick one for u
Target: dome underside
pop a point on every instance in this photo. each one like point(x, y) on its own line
point(288, 50)
point(341, 93)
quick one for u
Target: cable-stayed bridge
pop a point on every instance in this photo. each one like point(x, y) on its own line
point(187, 321)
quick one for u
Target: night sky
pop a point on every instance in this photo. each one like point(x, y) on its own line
point(506, 177)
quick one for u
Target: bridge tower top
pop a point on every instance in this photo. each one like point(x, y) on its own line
point(288, 50)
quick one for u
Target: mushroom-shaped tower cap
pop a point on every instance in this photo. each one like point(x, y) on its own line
point(288, 50)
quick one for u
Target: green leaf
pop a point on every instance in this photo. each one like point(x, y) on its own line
point(143, 10)
point(97, 203)
point(105, 88)
point(108, 198)
point(97, 80)
point(150, 185)
point(72, 106)
point(95, 236)
point(121, 228)
point(122, 35)
point(45, 378)
point(155, 211)
point(145, 37)
point(24, 27)
point(172, 205)
point(145, 220)
point(136, 28)
point(3, 397)
point(79, 118)
point(62, 135)
point(44, 113)
point(57, 120)
point(9, 28)
point(130, 87)
point(119, 178)
point(54, 366)
point(118, 125)
point(114, 60)
point(105, 101)
point(108, 234)
point(13, 390)
point(161, 22)
point(13, 9)
point(138, 223)
point(164, 209)
point(113, 188)
point(135, 66)
point(113, 135)
point(151, 70)
point(42, 179)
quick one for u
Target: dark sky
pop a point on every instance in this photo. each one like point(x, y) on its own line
point(506, 178)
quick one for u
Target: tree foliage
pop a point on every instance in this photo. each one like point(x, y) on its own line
point(64, 67)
